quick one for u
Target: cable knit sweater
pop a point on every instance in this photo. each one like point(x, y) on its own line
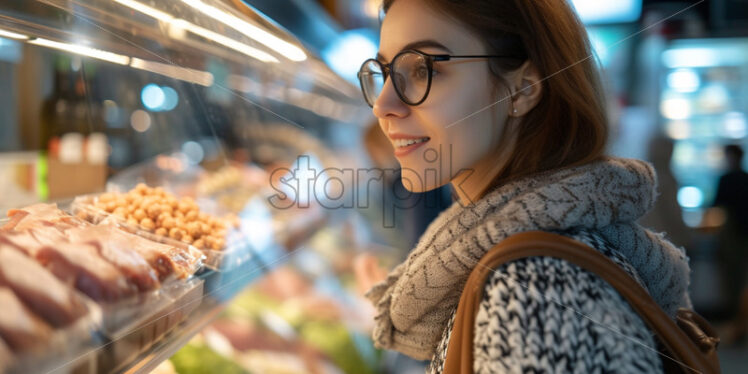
point(539, 314)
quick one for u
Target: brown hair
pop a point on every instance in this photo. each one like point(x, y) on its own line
point(568, 126)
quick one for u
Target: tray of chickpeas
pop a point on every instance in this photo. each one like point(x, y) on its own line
point(159, 215)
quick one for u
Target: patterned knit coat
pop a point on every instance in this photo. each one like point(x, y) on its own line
point(539, 314)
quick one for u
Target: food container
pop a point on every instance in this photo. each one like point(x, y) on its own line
point(71, 349)
point(146, 324)
point(115, 332)
point(237, 250)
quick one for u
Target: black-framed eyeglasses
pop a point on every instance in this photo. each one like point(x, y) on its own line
point(411, 70)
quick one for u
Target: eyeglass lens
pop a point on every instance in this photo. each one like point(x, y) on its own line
point(410, 76)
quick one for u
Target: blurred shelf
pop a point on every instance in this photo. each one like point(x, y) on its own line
point(164, 349)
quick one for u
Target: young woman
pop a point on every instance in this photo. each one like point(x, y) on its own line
point(501, 98)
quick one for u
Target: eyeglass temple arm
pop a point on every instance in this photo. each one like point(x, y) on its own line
point(448, 57)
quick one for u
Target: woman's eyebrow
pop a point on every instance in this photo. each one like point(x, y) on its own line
point(420, 44)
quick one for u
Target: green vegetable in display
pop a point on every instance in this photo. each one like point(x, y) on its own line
point(200, 359)
point(335, 341)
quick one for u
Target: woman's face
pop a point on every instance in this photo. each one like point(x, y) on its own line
point(456, 130)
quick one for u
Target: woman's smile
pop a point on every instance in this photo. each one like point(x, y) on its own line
point(405, 144)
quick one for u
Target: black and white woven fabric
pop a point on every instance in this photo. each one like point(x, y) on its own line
point(546, 315)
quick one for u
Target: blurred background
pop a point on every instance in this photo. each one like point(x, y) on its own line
point(102, 94)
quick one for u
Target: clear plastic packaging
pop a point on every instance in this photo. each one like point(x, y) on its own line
point(147, 323)
point(84, 207)
point(114, 333)
point(69, 349)
point(237, 251)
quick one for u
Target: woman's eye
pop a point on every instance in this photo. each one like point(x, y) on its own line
point(421, 73)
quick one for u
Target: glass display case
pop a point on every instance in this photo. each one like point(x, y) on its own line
point(175, 128)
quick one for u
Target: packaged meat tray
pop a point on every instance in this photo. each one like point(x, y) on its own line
point(56, 268)
point(45, 325)
point(157, 215)
point(123, 344)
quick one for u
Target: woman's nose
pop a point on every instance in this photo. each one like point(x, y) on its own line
point(388, 104)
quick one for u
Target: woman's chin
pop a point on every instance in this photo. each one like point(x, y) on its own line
point(416, 182)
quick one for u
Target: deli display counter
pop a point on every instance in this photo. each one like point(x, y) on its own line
point(153, 153)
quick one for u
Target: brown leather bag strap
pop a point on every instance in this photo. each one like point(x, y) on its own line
point(680, 346)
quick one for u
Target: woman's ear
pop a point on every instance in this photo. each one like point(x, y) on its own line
point(527, 89)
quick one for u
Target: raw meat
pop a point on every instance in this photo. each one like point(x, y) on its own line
point(80, 265)
point(39, 289)
point(40, 215)
point(116, 249)
point(166, 259)
point(19, 327)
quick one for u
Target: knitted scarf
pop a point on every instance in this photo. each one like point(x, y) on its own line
point(415, 302)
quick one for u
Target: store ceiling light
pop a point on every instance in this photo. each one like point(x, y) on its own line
point(12, 35)
point(202, 78)
point(684, 80)
point(676, 108)
point(288, 50)
point(690, 57)
point(690, 197)
point(83, 50)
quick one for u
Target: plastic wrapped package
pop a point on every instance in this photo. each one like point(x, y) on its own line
point(45, 326)
point(229, 248)
point(56, 250)
point(138, 331)
point(226, 189)
point(71, 349)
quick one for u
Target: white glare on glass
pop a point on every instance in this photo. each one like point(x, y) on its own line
point(12, 35)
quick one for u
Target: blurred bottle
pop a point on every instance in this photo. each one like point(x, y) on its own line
point(69, 109)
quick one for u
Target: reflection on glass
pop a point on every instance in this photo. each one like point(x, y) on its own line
point(279, 45)
point(83, 50)
point(228, 42)
point(202, 78)
point(142, 8)
point(183, 25)
point(12, 35)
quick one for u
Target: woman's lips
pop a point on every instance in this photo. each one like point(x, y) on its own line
point(406, 149)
